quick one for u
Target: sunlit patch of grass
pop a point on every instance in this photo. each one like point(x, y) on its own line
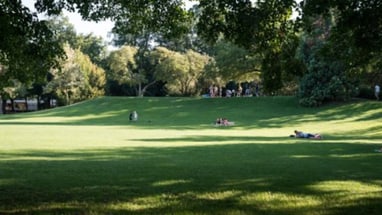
point(259, 182)
point(146, 203)
point(347, 189)
point(221, 195)
point(347, 193)
point(278, 201)
point(170, 182)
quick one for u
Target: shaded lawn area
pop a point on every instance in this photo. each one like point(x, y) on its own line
point(296, 178)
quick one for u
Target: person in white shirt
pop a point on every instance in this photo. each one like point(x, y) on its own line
point(133, 116)
point(377, 90)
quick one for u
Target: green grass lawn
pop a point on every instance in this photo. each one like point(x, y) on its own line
point(89, 159)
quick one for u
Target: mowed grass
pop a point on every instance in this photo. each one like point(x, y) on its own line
point(89, 159)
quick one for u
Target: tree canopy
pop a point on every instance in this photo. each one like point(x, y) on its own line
point(131, 17)
point(77, 78)
point(329, 40)
point(356, 33)
point(28, 47)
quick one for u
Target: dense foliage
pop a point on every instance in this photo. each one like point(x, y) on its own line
point(28, 49)
point(349, 48)
point(166, 16)
point(78, 78)
point(325, 78)
point(265, 28)
point(320, 51)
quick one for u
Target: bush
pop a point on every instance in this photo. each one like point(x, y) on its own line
point(325, 82)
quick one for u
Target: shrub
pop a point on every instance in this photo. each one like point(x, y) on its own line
point(325, 81)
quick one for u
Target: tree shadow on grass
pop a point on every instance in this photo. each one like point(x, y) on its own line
point(242, 178)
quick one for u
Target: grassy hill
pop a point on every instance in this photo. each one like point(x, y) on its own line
point(200, 113)
point(89, 159)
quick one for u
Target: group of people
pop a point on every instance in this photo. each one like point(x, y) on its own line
point(215, 91)
point(247, 92)
point(223, 122)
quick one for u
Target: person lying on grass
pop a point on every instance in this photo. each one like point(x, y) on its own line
point(300, 134)
point(223, 122)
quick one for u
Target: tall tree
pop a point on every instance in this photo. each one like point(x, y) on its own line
point(93, 46)
point(165, 17)
point(355, 34)
point(28, 48)
point(263, 27)
point(357, 23)
point(94, 76)
point(236, 63)
point(27, 43)
point(89, 44)
point(122, 64)
point(326, 77)
point(180, 71)
point(78, 78)
point(67, 80)
point(63, 30)
point(252, 24)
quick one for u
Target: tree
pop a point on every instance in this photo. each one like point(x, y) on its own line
point(264, 28)
point(255, 26)
point(94, 76)
point(63, 30)
point(89, 44)
point(92, 46)
point(180, 71)
point(77, 79)
point(357, 24)
point(11, 91)
point(354, 35)
point(196, 66)
point(121, 64)
point(28, 48)
point(165, 17)
point(235, 63)
point(326, 77)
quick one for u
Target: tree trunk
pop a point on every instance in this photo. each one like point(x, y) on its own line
point(26, 104)
point(140, 94)
point(145, 88)
point(38, 103)
point(67, 98)
point(13, 105)
point(3, 106)
point(48, 102)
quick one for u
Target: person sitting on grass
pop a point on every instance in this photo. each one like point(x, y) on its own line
point(223, 122)
point(133, 116)
point(300, 134)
